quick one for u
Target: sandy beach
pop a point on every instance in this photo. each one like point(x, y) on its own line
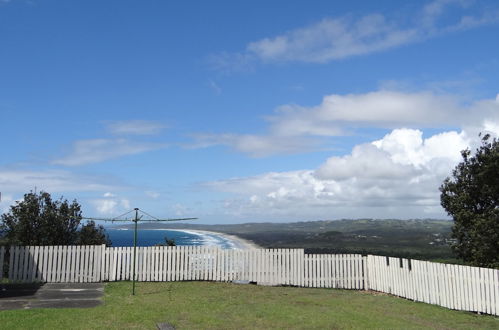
point(238, 243)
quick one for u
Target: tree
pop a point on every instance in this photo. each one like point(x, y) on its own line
point(471, 198)
point(39, 220)
point(168, 242)
point(92, 234)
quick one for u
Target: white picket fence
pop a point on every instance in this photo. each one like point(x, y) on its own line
point(56, 263)
point(185, 263)
point(452, 286)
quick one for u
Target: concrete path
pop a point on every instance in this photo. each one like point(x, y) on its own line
point(50, 295)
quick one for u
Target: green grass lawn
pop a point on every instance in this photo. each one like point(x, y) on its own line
point(207, 305)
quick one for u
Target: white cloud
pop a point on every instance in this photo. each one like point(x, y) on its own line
point(98, 150)
point(396, 176)
point(255, 145)
point(5, 202)
point(111, 205)
point(105, 206)
point(336, 38)
point(14, 183)
point(491, 127)
point(383, 108)
point(294, 129)
point(135, 127)
point(433, 10)
point(22, 181)
point(332, 39)
point(181, 210)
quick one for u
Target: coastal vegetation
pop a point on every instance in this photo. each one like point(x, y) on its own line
point(206, 305)
point(471, 198)
point(40, 220)
point(426, 239)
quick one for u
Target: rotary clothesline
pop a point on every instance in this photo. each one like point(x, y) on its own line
point(135, 220)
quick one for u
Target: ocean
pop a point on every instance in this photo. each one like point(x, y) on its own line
point(150, 237)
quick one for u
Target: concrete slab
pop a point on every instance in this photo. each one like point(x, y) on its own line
point(85, 286)
point(21, 291)
point(165, 326)
point(9, 305)
point(51, 295)
point(64, 304)
point(67, 294)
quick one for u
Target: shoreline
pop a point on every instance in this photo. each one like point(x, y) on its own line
point(236, 241)
point(239, 243)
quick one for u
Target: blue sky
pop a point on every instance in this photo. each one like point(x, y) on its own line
point(244, 111)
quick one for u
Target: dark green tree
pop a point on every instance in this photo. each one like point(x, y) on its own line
point(39, 220)
point(471, 198)
point(168, 242)
point(92, 234)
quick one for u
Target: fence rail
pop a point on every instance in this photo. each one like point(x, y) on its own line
point(452, 286)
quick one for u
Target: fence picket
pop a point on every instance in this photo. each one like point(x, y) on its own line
point(16, 253)
point(495, 285)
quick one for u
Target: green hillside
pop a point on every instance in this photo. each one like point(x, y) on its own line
point(419, 239)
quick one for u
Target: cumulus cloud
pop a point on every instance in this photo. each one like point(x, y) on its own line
point(336, 38)
point(135, 127)
point(396, 176)
point(294, 128)
point(111, 204)
point(98, 150)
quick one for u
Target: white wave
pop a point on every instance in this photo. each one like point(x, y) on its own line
point(206, 238)
point(214, 239)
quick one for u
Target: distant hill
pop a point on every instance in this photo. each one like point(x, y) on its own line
point(419, 238)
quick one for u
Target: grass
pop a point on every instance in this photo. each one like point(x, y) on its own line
point(207, 305)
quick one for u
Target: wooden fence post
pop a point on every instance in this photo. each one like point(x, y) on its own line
point(365, 273)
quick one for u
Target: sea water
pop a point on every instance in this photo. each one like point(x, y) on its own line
point(149, 237)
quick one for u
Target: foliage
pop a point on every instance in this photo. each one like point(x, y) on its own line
point(92, 234)
point(39, 220)
point(471, 197)
point(168, 242)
